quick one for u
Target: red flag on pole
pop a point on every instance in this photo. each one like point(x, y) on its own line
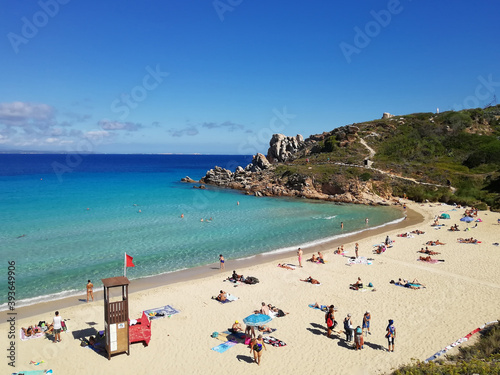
point(129, 260)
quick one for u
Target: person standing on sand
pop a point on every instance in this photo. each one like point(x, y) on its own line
point(391, 334)
point(56, 322)
point(356, 249)
point(299, 253)
point(330, 320)
point(221, 260)
point(90, 291)
point(256, 348)
point(366, 322)
point(348, 328)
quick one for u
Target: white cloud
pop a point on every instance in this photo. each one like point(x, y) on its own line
point(26, 114)
point(117, 125)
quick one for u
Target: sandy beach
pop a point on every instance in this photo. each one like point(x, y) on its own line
point(461, 293)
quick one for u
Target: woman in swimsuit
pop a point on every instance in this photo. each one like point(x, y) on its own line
point(256, 346)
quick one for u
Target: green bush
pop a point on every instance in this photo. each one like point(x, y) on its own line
point(365, 176)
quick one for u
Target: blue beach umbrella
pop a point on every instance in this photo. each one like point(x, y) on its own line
point(255, 320)
point(467, 219)
point(444, 216)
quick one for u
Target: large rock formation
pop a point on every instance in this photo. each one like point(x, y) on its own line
point(283, 148)
point(259, 178)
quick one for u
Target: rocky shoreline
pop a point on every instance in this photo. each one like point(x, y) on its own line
point(259, 178)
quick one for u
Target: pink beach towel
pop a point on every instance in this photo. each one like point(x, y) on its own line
point(23, 337)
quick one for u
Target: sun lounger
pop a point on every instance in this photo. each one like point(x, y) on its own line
point(141, 332)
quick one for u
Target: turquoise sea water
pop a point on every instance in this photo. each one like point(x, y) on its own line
point(66, 219)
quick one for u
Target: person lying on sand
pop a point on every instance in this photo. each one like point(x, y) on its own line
point(426, 259)
point(454, 228)
point(434, 243)
point(31, 330)
point(436, 223)
point(321, 307)
point(311, 280)
point(415, 284)
point(265, 328)
point(416, 231)
point(278, 312)
point(380, 249)
point(467, 240)
point(427, 251)
point(282, 265)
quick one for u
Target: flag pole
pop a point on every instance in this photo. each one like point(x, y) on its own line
point(125, 265)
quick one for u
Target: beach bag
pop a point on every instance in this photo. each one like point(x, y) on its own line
point(248, 340)
point(329, 322)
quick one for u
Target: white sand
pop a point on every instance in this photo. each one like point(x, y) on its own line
point(462, 293)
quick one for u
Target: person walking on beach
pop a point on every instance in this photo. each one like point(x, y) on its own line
point(299, 253)
point(366, 322)
point(390, 335)
point(90, 291)
point(256, 348)
point(356, 248)
point(330, 320)
point(221, 260)
point(56, 322)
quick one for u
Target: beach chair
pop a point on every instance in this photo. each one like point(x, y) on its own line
point(141, 332)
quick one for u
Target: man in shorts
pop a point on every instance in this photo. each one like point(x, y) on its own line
point(57, 324)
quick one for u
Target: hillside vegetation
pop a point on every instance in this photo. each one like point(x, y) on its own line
point(482, 358)
point(448, 157)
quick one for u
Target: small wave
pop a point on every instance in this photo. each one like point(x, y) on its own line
point(45, 298)
point(324, 217)
point(332, 238)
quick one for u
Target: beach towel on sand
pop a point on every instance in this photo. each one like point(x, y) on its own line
point(359, 260)
point(161, 312)
point(271, 340)
point(23, 337)
point(33, 372)
point(432, 261)
point(224, 346)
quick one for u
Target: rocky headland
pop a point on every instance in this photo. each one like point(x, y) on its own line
point(262, 176)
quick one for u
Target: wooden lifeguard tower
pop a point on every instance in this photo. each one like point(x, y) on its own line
point(116, 318)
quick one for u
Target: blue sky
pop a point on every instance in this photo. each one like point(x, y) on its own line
point(222, 76)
